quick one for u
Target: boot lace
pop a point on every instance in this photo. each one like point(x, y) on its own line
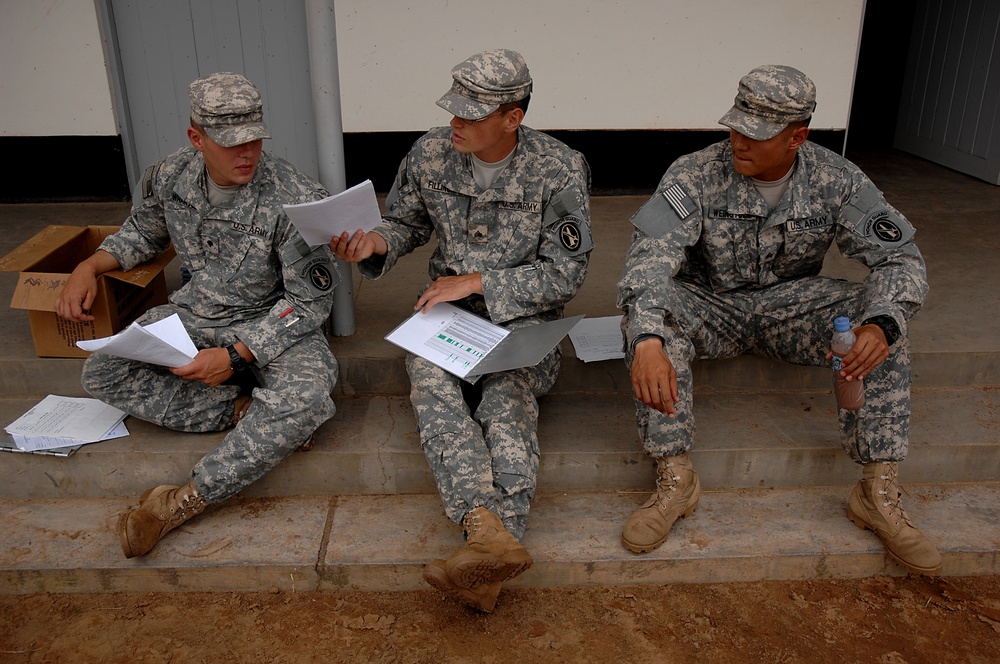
point(189, 505)
point(666, 483)
point(891, 495)
point(472, 523)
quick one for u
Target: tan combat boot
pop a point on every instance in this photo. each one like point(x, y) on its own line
point(491, 554)
point(677, 492)
point(875, 503)
point(160, 510)
point(482, 598)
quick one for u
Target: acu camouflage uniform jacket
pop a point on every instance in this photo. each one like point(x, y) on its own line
point(707, 224)
point(248, 263)
point(528, 235)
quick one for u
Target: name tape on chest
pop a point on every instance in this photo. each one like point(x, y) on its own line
point(723, 213)
point(249, 229)
point(521, 206)
point(808, 224)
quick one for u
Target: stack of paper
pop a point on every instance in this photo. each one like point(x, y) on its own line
point(596, 339)
point(63, 422)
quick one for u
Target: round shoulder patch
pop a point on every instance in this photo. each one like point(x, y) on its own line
point(569, 234)
point(886, 230)
point(320, 277)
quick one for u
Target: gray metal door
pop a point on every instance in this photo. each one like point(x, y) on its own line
point(950, 104)
point(157, 47)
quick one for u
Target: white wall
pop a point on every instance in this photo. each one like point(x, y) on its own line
point(53, 79)
point(597, 64)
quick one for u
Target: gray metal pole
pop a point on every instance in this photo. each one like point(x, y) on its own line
point(324, 75)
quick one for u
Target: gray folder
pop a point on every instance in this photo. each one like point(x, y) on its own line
point(524, 347)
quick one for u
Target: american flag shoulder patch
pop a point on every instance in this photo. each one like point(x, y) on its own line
point(679, 200)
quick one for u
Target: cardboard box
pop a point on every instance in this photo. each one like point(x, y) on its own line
point(45, 262)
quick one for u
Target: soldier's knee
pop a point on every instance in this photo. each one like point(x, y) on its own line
point(95, 376)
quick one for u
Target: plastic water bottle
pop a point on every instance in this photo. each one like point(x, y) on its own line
point(850, 393)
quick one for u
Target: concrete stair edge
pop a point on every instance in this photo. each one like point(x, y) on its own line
point(381, 543)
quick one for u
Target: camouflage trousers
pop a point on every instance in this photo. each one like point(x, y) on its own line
point(481, 440)
point(291, 401)
point(793, 322)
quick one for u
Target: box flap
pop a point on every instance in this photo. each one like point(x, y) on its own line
point(38, 291)
point(144, 273)
point(43, 244)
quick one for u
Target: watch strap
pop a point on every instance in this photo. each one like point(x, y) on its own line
point(888, 325)
point(237, 363)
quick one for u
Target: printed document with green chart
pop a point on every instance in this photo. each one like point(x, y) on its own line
point(470, 346)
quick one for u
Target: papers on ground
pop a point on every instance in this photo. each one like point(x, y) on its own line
point(596, 339)
point(58, 422)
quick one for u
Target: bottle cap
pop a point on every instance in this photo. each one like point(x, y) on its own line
point(842, 324)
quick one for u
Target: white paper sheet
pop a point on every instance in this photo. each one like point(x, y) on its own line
point(469, 346)
point(49, 443)
point(451, 338)
point(164, 342)
point(353, 209)
point(596, 339)
point(56, 418)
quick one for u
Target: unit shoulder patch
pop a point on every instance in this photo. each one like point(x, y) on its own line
point(321, 276)
point(869, 216)
point(318, 272)
point(569, 234)
point(887, 228)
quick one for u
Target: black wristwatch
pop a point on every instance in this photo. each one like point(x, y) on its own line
point(237, 363)
point(888, 325)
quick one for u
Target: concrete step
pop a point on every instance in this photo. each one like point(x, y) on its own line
point(367, 368)
point(588, 442)
point(381, 543)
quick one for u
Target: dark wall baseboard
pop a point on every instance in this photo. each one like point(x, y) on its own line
point(63, 169)
point(92, 168)
point(625, 161)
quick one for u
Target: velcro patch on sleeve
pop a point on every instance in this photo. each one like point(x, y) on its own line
point(562, 204)
point(665, 211)
point(315, 267)
point(868, 215)
point(144, 190)
point(398, 183)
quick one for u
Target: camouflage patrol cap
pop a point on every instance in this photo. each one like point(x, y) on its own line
point(484, 82)
point(229, 108)
point(769, 98)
